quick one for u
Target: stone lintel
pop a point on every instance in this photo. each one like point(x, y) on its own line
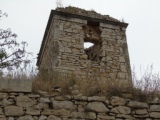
point(70, 19)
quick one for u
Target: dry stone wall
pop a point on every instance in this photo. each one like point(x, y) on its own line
point(63, 47)
point(43, 106)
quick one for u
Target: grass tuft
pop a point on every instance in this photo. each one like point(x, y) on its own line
point(144, 89)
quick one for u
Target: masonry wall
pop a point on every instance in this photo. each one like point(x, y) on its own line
point(43, 106)
point(64, 50)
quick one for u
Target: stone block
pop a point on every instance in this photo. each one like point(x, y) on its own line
point(60, 112)
point(42, 117)
point(80, 98)
point(16, 85)
point(122, 110)
point(11, 118)
point(41, 106)
point(135, 104)
point(27, 117)
point(123, 68)
point(80, 108)
point(121, 75)
point(5, 102)
point(97, 98)
point(97, 107)
point(129, 117)
point(113, 75)
point(122, 59)
point(63, 105)
point(31, 111)
point(105, 117)
point(24, 101)
point(118, 101)
point(3, 95)
point(1, 112)
point(2, 117)
point(52, 117)
point(13, 111)
point(141, 112)
point(155, 107)
point(154, 114)
point(33, 96)
point(84, 115)
point(44, 100)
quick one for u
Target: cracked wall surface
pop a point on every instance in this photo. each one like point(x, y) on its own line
point(63, 47)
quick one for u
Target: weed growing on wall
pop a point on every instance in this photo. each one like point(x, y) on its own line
point(144, 89)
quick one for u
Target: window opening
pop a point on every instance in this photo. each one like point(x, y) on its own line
point(92, 40)
point(88, 44)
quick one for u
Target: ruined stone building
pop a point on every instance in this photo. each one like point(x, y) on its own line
point(62, 48)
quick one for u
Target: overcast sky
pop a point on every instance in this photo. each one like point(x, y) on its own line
point(28, 19)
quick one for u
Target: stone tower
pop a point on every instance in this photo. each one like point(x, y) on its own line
point(62, 48)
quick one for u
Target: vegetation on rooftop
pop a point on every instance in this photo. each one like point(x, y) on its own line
point(83, 12)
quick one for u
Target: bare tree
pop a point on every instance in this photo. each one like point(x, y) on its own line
point(12, 53)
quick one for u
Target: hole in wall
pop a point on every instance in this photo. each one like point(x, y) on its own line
point(93, 52)
point(93, 23)
point(92, 40)
point(87, 45)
